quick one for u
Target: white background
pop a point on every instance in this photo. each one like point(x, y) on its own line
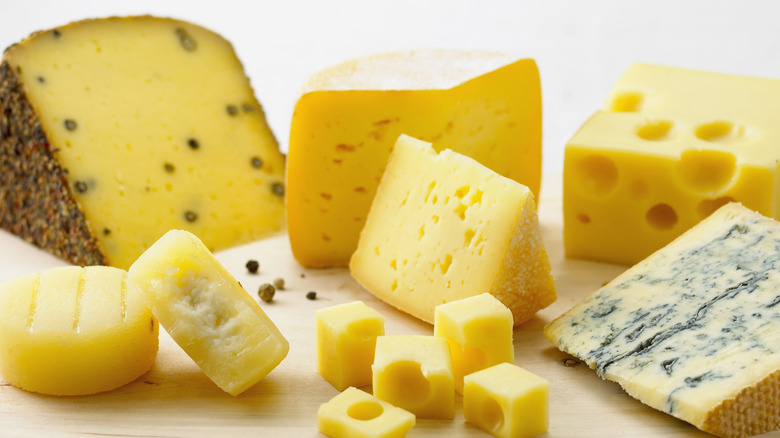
point(581, 47)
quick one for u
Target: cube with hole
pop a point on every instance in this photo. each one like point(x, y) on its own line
point(443, 227)
point(346, 338)
point(668, 148)
point(507, 401)
point(354, 413)
point(414, 372)
point(478, 331)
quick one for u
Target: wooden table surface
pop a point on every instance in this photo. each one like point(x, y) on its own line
point(174, 399)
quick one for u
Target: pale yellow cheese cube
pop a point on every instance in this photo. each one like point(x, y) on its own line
point(356, 414)
point(204, 309)
point(507, 401)
point(443, 227)
point(415, 373)
point(74, 331)
point(479, 333)
point(346, 338)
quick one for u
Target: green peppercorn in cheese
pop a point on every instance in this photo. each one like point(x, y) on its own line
point(113, 131)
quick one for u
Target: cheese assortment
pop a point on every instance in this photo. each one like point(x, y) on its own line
point(443, 227)
point(693, 329)
point(346, 340)
point(669, 147)
point(207, 312)
point(478, 331)
point(484, 105)
point(74, 331)
point(114, 131)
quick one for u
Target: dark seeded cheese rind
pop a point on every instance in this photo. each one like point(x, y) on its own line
point(694, 329)
point(113, 131)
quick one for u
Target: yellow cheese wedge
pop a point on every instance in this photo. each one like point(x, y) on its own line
point(443, 227)
point(415, 373)
point(204, 309)
point(346, 339)
point(484, 105)
point(121, 129)
point(74, 331)
point(507, 401)
point(479, 332)
point(356, 414)
point(669, 147)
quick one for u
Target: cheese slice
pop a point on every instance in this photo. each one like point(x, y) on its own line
point(443, 227)
point(74, 331)
point(116, 130)
point(484, 105)
point(693, 329)
point(669, 147)
point(207, 312)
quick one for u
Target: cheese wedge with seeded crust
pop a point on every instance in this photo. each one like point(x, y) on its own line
point(116, 130)
point(694, 329)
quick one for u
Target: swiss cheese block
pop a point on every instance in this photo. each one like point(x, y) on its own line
point(694, 329)
point(484, 105)
point(207, 312)
point(443, 227)
point(74, 331)
point(669, 147)
point(114, 131)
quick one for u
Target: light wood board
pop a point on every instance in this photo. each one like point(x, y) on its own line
point(174, 399)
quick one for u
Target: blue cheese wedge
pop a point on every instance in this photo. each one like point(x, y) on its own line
point(694, 329)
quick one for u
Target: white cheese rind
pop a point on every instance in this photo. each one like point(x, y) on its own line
point(693, 325)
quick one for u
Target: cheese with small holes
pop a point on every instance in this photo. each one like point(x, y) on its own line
point(694, 329)
point(669, 147)
point(207, 312)
point(484, 105)
point(74, 331)
point(114, 131)
point(443, 227)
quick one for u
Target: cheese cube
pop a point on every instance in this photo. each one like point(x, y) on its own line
point(117, 130)
point(478, 331)
point(415, 373)
point(443, 227)
point(484, 105)
point(694, 329)
point(74, 331)
point(204, 309)
point(346, 339)
point(356, 414)
point(507, 401)
point(669, 147)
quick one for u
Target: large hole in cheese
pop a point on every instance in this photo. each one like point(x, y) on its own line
point(596, 174)
point(707, 170)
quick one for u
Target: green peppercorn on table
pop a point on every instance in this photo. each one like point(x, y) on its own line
point(175, 399)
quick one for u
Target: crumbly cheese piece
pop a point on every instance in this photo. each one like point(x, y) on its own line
point(484, 105)
point(415, 373)
point(74, 331)
point(507, 401)
point(346, 339)
point(479, 332)
point(114, 131)
point(669, 147)
point(207, 312)
point(443, 227)
point(693, 329)
point(356, 414)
